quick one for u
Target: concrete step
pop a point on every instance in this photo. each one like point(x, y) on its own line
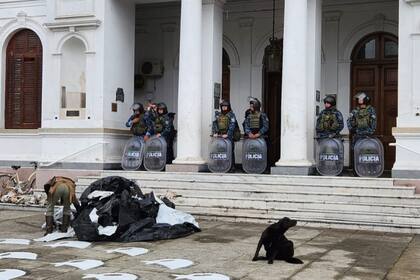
point(364, 203)
point(253, 178)
point(232, 215)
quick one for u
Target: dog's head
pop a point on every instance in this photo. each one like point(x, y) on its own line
point(284, 224)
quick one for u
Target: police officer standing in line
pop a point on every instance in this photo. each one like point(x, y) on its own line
point(61, 189)
point(140, 122)
point(164, 128)
point(362, 120)
point(224, 126)
point(256, 122)
point(330, 121)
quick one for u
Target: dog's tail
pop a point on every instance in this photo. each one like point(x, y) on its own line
point(294, 260)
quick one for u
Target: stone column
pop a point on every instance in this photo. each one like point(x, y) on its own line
point(407, 132)
point(294, 126)
point(189, 89)
point(212, 64)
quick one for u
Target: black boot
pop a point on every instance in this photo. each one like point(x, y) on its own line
point(49, 221)
point(65, 224)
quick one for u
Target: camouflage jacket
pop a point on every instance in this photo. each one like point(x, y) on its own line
point(329, 123)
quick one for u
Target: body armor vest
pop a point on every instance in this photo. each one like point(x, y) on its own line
point(328, 121)
point(254, 123)
point(363, 119)
point(223, 123)
point(140, 127)
point(159, 124)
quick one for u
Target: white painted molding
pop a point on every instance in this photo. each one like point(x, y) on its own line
point(232, 51)
point(57, 26)
point(217, 2)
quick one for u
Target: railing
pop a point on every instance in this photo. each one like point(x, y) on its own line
point(73, 154)
point(404, 147)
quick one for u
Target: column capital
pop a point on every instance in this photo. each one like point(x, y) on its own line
point(332, 16)
point(168, 27)
point(246, 22)
point(413, 2)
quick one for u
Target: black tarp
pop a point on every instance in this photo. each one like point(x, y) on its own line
point(133, 212)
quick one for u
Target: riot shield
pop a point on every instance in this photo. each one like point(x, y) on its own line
point(220, 158)
point(155, 154)
point(330, 156)
point(254, 155)
point(133, 153)
point(368, 157)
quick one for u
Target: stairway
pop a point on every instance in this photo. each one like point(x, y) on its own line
point(337, 202)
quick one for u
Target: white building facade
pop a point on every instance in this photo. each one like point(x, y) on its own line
point(70, 70)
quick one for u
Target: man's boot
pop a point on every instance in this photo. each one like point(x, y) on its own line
point(49, 221)
point(65, 224)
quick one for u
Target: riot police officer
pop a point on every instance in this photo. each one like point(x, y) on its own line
point(225, 125)
point(330, 121)
point(256, 122)
point(140, 122)
point(362, 120)
point(164, 127)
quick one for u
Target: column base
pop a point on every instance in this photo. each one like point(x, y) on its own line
point(408, 174)
point(293, 170)
point(179, 167)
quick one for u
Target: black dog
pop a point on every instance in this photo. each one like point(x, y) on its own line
point(276, 245)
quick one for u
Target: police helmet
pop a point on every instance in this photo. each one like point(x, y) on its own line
point(363, 97)
point(330, 99)
point(162, 106)
point(225, 103)
point(256, 103)
point(137, 107)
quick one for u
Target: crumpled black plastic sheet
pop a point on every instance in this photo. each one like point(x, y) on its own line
point(132, 211)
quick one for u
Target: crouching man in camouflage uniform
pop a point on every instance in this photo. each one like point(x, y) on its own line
point(61, 189)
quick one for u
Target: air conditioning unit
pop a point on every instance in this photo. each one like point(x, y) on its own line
point(152, 68)
point(73, 104)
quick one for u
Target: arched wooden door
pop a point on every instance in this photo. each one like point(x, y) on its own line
point(375, 72)
point(23, 81)
point(226, 77)
point(272, 82)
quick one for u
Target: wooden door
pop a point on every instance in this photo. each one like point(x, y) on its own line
point(375, 72)
point(23, 81)
point(272, 107)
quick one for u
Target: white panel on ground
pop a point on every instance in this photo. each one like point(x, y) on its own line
point(81, 264)
point(202, 276)
point(111, 276)
point(15, 241)
point(7, 274)
point(56, 236)
point(171, 263)
point(131, 251)
point(18, 255)
point(72, 244)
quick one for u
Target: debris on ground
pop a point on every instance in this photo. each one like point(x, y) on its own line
point(115, 209)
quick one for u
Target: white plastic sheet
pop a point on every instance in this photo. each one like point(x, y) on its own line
point(56, 235)
point(8, 274)
point(167, 215)
point(131, 251)
point(100, 194)
point(111, 276)
point(202, 276)
point(18, 255)
point(82, 264)
point(15, 241)
point(171, 263)
point(71, 244)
